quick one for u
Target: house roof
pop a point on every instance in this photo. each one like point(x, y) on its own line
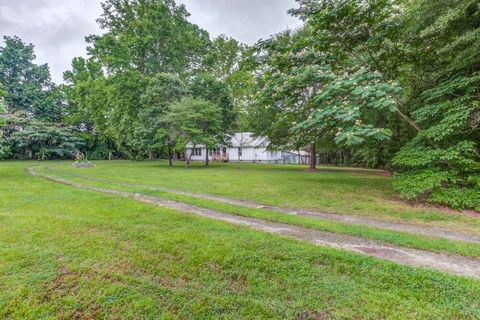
point(241, 140)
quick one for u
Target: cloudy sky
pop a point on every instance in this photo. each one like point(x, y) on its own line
point(57, 27)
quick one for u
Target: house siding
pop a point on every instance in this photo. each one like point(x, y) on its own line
point(249, 154)
point(254, 149)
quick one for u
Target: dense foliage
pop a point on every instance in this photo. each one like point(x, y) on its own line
point(378, 83)
point(31, 108)
point(28, 86)
point(403, 72)
point(3, 146)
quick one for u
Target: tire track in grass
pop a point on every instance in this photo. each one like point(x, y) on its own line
point(422, 230)
point(417, 258)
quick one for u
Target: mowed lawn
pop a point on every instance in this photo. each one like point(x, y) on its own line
point(346, 192)
point(68, 253)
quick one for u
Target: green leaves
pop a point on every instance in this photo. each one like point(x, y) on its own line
point(149, 37)
point(27, 86)
point(358, 134)
point(194, 120)
point(344, 102)
point(40, 141)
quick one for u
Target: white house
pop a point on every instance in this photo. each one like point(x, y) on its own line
point(240, 147)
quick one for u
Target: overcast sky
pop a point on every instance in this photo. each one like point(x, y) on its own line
point(57, 27)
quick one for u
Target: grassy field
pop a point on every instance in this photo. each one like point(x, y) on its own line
point(385, 236)
point(68, 253)
point(343, 193)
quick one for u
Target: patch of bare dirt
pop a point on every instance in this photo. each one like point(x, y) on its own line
point(418, 258)
point(313, 315)
point(65, 282)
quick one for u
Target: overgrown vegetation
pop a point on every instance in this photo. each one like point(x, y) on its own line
point(390, 83)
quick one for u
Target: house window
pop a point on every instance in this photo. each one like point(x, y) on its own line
point(197, 152)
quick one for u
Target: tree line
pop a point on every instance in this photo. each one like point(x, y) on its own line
point(377, 83)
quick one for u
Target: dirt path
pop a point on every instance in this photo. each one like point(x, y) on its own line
point(423, 230)
point(418, 258)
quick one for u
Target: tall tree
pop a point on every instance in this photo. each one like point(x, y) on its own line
point(223, 58)
point(162, 91)
point(150, 36)
point(3, 147)
point(430, 49)
point(27, 85)
point(142, 38)
point(303, 99)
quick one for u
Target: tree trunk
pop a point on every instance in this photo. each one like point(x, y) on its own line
point(170, 156)
point(189, 158)
point(206, 156)
point(239, 150)
point(313, 157)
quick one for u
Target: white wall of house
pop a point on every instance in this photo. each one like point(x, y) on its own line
point(249, 154)
point(254, 149)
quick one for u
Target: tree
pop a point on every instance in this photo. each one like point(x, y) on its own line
point(41, 142)
point(284, 100)
point(303, 99)
point(142, 40)
point(241, 140)
point(3, 147)
point(149, 36)
point(28, 86)
point(233, 64)
point(223, 58)
point(85, 105)
point(442, 163)
point(27, 138)
point(430, 50)
point(163, 90)
point(195, 121)
point(205, 86)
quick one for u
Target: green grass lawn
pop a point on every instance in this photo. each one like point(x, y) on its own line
point(385, 236)
point(68, 253)
point(281, 185)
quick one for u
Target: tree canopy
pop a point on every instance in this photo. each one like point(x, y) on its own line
point(378, 83)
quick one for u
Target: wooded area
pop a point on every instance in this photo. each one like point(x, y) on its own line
point(389, 84)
